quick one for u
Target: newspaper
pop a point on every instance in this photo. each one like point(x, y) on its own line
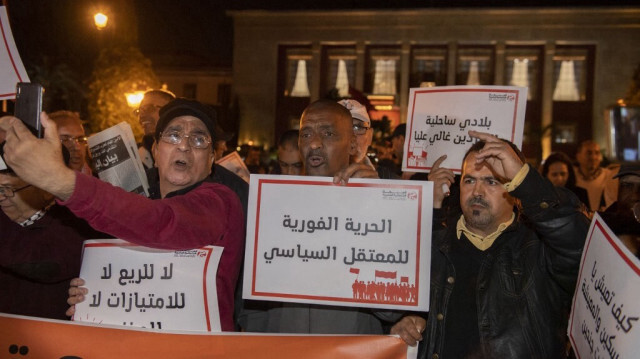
point(234, 163)
point(115, 158)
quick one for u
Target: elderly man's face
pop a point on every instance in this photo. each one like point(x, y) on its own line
point(363, 140)
point(180, 166)
point(72, 136)
point(484, 201)
point(326, 141)
point(289, 160)
point(149, 112)
point(589, 156)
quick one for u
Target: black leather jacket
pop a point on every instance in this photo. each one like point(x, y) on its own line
point(525, 284)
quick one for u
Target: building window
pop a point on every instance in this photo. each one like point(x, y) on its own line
point(522, 68)
point(298, 76)
point(382, 70)
point(570, 74)
point(475, 65)
point(428, 66)
point(339, 64)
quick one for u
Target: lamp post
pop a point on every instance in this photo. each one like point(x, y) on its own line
point(134, 98)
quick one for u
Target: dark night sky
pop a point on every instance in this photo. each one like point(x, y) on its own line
point(187, 32)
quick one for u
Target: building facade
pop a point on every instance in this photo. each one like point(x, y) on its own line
point(575, 61)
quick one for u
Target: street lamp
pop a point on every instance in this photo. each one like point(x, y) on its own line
point(134, 98)
point(100, 20)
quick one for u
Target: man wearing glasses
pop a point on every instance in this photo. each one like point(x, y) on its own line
point(187, 210)
point(73, 137)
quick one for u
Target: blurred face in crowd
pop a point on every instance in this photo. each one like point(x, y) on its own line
point(558, 174)
point(364, 136)
point(181, 165)
point(219, 149)
point(628, 191)
point(326, 139)
point(484, 201)
point(73, 138)
point(149, 111)
point(289, 160)
point(589, 157)
point(18, 199)
point(397, 144)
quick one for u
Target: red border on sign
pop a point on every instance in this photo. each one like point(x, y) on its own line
point(204, 274)
point(261, 182)
point(415, 94)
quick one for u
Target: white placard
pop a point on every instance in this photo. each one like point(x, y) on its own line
point(137, 286)
point(439, 120)
point(367, 244)
point(11, 68)
point(605, 312)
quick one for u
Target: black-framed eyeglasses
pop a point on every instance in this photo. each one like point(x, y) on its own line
point(10, 192)
point(196, 140)
point(146, 109)
point(360, 130)
point(70, 140)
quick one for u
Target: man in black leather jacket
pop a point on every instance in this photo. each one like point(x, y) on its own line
point(501, 280)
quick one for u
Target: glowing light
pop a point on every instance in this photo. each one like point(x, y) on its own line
point(100, 20)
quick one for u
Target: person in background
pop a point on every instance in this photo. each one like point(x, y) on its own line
point(289, 160)
point(597, 180)
point(623, 216)
point(148, 114)
point(72, 136)
point(186, 210)
point(558, 169)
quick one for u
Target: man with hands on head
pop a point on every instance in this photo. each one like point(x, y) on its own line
point(188, 211)
point(504, 271)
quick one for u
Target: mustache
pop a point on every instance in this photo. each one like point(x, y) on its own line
point(479, 201)
point(317, 152)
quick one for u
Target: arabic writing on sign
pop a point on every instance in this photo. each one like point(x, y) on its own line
point(332, 224)
point(130, 297)
point(359, 255)
point(601, 304)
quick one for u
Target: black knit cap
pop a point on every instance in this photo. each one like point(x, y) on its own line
point(185, 107)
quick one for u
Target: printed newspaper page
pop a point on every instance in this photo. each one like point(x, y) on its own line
point(116, 160)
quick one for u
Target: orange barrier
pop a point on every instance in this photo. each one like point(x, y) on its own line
point(30, 338)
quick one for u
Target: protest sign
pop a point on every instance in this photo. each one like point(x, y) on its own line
point(25, 337)
point(439, 120)
point(143, 287)
point(366, 244)
point(234, 163)
point(605, 304)
point(11, 68)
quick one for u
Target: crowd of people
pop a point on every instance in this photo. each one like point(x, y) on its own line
point(504, 233)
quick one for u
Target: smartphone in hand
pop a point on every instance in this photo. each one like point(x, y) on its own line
point(29, 105)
